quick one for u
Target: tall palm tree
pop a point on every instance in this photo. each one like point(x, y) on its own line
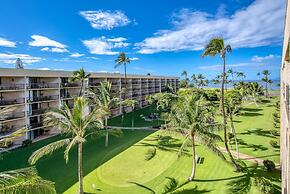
point(131, 103)
point(192, 116)
point(185, 74)
point(77, 123)
point(81, 76)
point(253, 90)
point(267, 81)
point(216, 46)
point(105, 101)
point(233, 101)
point(122, 59)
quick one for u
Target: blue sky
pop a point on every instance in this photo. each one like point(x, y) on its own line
point(161, 37)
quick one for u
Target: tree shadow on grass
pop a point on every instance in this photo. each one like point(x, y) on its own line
point(252, 109)
point(251, 114)
point(142, 186)
point(195, 190)
point(259, 132)
point(254, 147)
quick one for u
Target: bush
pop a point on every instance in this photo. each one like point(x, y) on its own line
point(26, 143)
point(269, 165)
point(151, 152)
point(264, 185)
point(274, 143)
point(274, 132)
point(211, 95)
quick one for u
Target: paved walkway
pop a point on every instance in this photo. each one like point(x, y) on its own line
point(134, 128)
point(247, 157)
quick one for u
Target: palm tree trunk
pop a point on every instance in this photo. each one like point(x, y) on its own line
point(225, 117)
point(266, 90)
point(235, 135)
point(193, 158)
point(80, 167)
point(107, 132)
point(82, 85)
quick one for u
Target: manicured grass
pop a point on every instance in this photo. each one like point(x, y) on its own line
point(253, 127)
point(122, 168)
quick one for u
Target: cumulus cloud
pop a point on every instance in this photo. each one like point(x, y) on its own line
point(10, 58)
point(264, 58)
point(134, 58)
point(105, 19)
point(7, 43)
point(259, 24)
point(47, 44)
point(105, 46)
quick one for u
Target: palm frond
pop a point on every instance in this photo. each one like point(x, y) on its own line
point(48, 149)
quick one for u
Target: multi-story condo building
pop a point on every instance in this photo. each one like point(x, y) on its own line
point(30, 93)
point(285, 107)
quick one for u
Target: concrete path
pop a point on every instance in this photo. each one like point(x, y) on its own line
point(249, 158)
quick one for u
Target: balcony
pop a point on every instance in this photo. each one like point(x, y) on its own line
point(42, 98)
point(69, 85)
point(42, 85)
point(4, 102)
point(35, 125)
point(94, 84)
point(64, 96)
point(7, 130)
point(12, 87)
point(37, 112)
point(11, 116)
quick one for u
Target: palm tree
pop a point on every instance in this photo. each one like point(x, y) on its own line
point(267, 81)
point(105, 101)
point(216, 46)
point(231, 72)
point(78, 123)
point(254, 89)
point(24, 180)
point(81, 76)
point(123, 60)
point(185, 74)
point(233, 101)
point(192, 116)
point(131, 103)
point(241, 75)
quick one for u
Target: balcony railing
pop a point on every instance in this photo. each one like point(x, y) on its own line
point(12, 86)
point(37, 112)
point(35, 125)
point(95, 84)
point(4, 102)
point(13, 115)
point(68, 84)
point(42, 85)
point(67, 96)
point(42, 98)
point(7, 129)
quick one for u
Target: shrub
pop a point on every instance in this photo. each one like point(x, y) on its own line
point(151, 152)
point(269, 165)
point(273, 143)
point(26, 143)
point(264, 185)
point(211, 95)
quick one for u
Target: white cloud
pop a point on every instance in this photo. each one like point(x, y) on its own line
point(105, 19)
point(134, 58)
point(259, 24)
point(264, 58)
point(104, 46)
point(44, 68)
point(48, 44)
point(6, 43)
point(11, 58)
point(76, 55)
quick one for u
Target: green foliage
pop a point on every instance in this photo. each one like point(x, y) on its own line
point(274, 143)
point(269, 165)
point(26, 143)
point(274, 132)
point(265, 185)
point(151, 152)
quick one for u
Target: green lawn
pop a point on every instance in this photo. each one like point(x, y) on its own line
point(122, 168)
point(253, 127)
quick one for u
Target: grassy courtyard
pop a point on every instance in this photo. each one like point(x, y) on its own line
point(122, 167)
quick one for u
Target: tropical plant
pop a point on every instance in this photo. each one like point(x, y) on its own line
point(186, 79)
point(123, 60)
point(216, 46)
point(241, 75)
point(199, 81)
point(267, 81)
point(131, 103)
point(24, 180)
point(233, 101)
point(105, 101)
point(254, 89)
point(192, 116)
point(78, 123)
point(80, 76)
